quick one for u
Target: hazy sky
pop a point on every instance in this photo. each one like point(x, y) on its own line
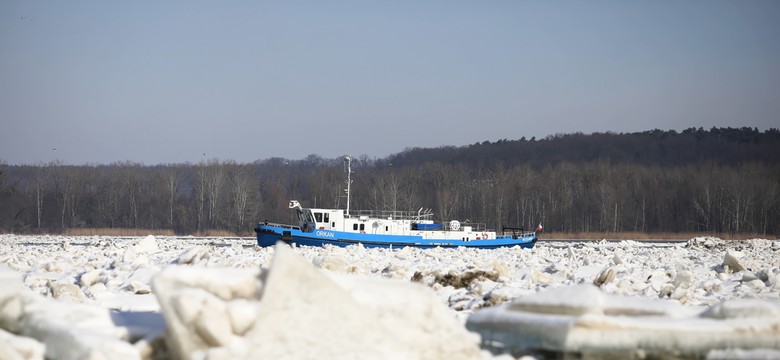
point(167, 81)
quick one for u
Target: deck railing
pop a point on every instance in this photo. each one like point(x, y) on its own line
point(393, 214)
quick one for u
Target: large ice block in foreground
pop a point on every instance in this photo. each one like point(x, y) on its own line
point(581, 320)
point(296, 311)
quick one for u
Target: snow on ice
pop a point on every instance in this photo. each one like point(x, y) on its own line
point(163, 297)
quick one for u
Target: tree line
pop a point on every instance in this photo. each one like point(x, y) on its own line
point(728, 146)
point(656, 181)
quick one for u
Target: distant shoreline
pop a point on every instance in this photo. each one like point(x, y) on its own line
point(543, 236)
point(647, 236)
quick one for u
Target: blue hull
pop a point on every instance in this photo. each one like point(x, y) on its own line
point(269, 235)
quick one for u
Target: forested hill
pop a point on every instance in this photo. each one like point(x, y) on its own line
point(724, 146)
point(715, 181)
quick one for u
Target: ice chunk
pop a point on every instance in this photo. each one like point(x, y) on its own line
point(193, 255)
point(14, 347)
point(732, 260)
point(582, 321)
point(191, 298)
point(89, 278)
point(303, 314)
point(147, 245)
point(569, 300)
point(744, 308)
point(605, 276)
point(67, 291)
point(76, 331)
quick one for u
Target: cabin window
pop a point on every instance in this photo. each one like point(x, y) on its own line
point(326, 217)
point(387, 228)
point(362, 227)
point(333, 224)
point(354, 226)
point(318, 217)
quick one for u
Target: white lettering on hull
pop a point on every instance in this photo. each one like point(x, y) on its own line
point(325, 234)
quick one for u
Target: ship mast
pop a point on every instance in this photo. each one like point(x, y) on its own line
point(349, 178)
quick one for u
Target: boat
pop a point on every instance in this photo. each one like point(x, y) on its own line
point(385, 229)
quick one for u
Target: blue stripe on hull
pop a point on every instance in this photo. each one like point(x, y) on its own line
point(268, 235)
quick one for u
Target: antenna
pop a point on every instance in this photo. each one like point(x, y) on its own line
point(349, 178)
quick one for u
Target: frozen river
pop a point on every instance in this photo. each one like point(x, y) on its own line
point(117, 274)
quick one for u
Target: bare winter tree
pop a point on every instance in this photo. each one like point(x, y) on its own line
point(173, 178)
point(62, 179)
point(447, 182)
point(325, 184)
point(386, 192)
point(768, 202)
point(502, 180)
point(110, 193)
point(215, 178)
point(37, 183)
point(132, 182)
point(84, 187)
point(199, 190)
point(239, 185)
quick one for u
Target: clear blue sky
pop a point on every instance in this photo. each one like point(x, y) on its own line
point(167, 81)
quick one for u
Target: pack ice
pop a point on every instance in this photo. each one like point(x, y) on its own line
point(195, 298)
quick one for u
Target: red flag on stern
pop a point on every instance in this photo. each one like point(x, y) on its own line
point(539, 228)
